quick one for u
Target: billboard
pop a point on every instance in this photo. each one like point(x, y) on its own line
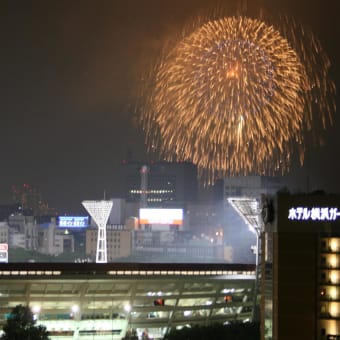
point(73, 221)
point(3, 252)
point(307, 212)
point(161, 216)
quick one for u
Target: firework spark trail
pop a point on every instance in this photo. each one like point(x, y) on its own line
point(236, 95)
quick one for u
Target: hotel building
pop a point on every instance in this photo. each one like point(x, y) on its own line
point(301, 271)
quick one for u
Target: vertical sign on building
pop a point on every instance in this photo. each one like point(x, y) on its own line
point(3, 252)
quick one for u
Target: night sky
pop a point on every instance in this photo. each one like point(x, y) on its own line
point(69, 76)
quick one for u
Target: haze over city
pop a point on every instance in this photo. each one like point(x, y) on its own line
point(70, 75)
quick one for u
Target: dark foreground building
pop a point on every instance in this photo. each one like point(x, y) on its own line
point(301, 271)
point(104, 301)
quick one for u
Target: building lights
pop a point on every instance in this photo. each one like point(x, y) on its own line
point(75, 309)
point(334, 309)
point(228, 299)
point(159, 302)
point(334, 277)
point(35, 310)
point(334, 244)
point(333, 261)
point(138, 192)
point(333, 293)
point(127, 308)
point(29, 273)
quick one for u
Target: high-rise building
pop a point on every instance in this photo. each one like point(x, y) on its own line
point(28, 196)
point(163, 184)
point(4, 232)
point(53, 240)
point(24, 230)
point(251, 186)
point(301, 271)
point(30, 199)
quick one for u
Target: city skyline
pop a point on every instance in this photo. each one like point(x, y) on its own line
point(69, 75)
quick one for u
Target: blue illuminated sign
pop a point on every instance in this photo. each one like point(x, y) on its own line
point(73, 221)
point(313, 214)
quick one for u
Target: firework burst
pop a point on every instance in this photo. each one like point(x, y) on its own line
point(236, 96)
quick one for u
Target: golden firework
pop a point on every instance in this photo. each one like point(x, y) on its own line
point(236, 95)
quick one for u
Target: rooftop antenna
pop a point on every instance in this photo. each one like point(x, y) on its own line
point(144, 185)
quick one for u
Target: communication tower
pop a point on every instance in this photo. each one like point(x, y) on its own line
point(144, 185)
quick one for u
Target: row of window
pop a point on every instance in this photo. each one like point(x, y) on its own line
point(181, 272)
point(330, 277)
point(329, 297)
point(330, 245)
point(330, 261)
point(152, 191)
point(29, 272)
point(107, 240)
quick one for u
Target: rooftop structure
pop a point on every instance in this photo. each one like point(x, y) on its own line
point(249, 209)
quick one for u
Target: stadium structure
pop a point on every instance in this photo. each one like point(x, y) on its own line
point(106, 301)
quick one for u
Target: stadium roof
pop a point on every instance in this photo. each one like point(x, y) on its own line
point(138, 295)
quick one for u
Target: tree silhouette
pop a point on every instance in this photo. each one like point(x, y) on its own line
point(21, 326)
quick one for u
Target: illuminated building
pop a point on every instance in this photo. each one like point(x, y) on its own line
point(102, 301)
point(167, 182)
point(53, 240)
point(4, 232)
point(47, 238)
point(118, 241)
point(301, 271)
point(23, 232)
